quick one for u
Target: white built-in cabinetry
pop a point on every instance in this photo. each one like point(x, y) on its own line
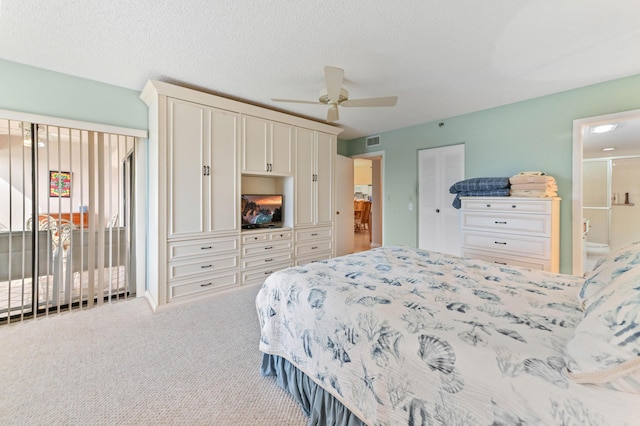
point(204, 151)
point(512, 231)
point(267, 147)
point(315, 154)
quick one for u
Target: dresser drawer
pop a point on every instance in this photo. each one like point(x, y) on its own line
point(522, 245)
point(315, 247)
point(189, 288)
point(199, 267)
point(314, 257)
point(261, 237)
point(262, 261)
point(205, 247)
point(504, 259)
point(529, 224)
point(257, 276)
point(509, 204)
point(265, 249)
point(311, 234)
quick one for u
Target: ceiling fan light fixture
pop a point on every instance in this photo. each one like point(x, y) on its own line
point(324, 97)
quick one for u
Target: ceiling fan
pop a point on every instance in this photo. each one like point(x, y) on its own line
point(335, 95)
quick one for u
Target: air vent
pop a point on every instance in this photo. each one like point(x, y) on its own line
point(373, 141)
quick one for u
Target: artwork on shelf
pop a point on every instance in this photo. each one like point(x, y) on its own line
point(59, 184)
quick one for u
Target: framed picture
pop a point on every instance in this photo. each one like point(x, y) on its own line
point(59, 184)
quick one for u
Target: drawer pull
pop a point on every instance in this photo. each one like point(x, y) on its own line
point(500, 263)
point(206, 248)
point(268, 248)
point(268, 260)
point(206, 266)
point(314, 235)
point(513, 206)
point(205, 285)
point(498, 242)
point(314, 247)
point(268, 272)
point(501, 222)
point(488, 205)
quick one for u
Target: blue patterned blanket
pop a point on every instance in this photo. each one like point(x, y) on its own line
point(406, 336)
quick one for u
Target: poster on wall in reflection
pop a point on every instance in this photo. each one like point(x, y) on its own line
point(59, 184)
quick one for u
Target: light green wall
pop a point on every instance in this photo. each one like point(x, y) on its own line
point(531, 135)
point(33, 90)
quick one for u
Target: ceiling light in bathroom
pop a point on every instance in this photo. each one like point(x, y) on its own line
point(603, 128)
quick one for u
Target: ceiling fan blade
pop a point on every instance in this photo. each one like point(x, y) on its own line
point(371, 102)
point(332, 113)
point(333, 76)
point(296, 101)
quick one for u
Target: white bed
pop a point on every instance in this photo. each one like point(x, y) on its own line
point(398, 335)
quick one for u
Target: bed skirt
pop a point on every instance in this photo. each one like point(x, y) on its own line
point(320, 406)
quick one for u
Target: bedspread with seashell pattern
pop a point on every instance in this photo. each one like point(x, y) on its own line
point(406, 336)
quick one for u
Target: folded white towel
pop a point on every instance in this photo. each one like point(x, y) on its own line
point(517, 179)
point(535, 186)
point(533, 193)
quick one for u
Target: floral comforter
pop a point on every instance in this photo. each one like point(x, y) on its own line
point(406, 336)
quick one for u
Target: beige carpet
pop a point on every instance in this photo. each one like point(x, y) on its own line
point(195, 364)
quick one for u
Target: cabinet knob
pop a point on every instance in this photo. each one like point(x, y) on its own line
point(488, 205)
point(437, 210)
point(513, 206)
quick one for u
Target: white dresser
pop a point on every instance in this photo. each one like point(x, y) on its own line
point(512, 231)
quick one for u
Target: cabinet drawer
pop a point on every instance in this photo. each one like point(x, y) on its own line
point(257, 276)
point(182, 250)
point(258, 237)
point(257, 262)
point(316, 257)
point(196, 267)
point(509, 204)
point(312, 234)
point(309, 249)
point(502, 259)
point(204, 285)
point(265, 249)
point(525, 245)
point(539, 225)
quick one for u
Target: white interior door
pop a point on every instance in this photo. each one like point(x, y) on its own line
point(344, 205)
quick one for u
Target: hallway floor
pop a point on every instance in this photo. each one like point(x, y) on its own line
point(361, 241)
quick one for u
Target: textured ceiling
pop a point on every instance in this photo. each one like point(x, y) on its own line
point(440, 57)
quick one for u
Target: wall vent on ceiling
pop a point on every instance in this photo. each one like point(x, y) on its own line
point(373, 141)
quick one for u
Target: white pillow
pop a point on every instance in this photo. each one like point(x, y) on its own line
point(606, 270)
point(605, 348)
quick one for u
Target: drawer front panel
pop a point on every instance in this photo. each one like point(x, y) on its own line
point(257, 276)
point(182, 250)
point(309, 249)
point(201, 286)
point(312, 234)
point(280, 235)
point(513, 205)
point(525, 245)
point(265, 249)
point(262, 261)
point(253, 237)
point(314, 258)
point(178, 270)
point(539, 264)
point(513, 223)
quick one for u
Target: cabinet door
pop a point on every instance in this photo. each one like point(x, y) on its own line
point(324, 178)
point(304, 178)
point(186, 203)
point(255, 153)
point(223, 175)
point(282, 149)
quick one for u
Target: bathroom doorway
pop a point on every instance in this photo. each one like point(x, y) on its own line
point(607, 186)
